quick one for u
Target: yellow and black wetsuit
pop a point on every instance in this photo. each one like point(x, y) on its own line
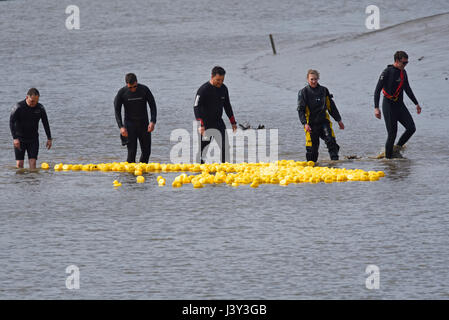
point(314, 107)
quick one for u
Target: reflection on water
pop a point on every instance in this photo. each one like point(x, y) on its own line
point(398, 169)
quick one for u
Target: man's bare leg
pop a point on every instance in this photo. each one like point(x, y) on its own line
point(32, 163)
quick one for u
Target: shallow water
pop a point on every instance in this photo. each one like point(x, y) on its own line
point(145, 242)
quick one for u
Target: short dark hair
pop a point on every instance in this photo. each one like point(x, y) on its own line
point(218, 70)
point(399, 55)
point(130, 78)
point(33, 92)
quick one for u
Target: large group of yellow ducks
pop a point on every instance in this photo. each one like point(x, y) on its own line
point(282, 172)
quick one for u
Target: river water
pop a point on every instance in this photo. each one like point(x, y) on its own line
point(145, 242)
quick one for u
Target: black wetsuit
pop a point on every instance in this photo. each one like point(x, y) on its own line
point(393, 82)
point(136, 119)
point(314, 107)
point(24, 125)
point(208, 108)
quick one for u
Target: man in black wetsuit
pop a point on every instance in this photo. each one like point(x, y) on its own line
point(135, 96)
point(24, 125)
point(314, 106)
point(211, 98)
point(393, 82)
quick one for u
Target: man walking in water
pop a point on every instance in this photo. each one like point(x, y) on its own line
point(393, 82)
point(314, 106)
point(24, 125)
point(135, 96)
point(211, 98)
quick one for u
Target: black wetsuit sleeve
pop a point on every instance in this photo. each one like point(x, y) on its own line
point(228, 108)
point(409, 91)
point(118, 102)
point(152, 104)
point(45, 123)
point(13, 120)
point(333, 111)
point(302, 108)
point(380, 85)
point(197, 106)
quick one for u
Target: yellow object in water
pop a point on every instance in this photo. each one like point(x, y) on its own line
point(197, 184)
point(45, 166)
point(140, 179)
point(176, 184)
point(254, 185)
point(282, 172)
point(328, 179)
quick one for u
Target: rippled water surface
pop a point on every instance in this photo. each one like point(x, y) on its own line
point(145, 242)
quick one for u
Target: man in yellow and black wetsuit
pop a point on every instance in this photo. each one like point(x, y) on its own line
point(314, 106)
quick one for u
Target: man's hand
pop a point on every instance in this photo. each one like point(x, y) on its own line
point(234, 127)
point(17, 144)
point(307, 128)
point(151, 127)
point(201, 130)
point(341, 125)
point(377, 113)
point(49, 142)
point(418, 109)
point(124, 132)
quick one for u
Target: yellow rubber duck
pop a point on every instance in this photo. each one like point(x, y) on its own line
point(176, 184)
point(254, 185)
point(197, 185)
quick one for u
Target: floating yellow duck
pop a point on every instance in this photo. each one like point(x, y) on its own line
point(281, 172)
